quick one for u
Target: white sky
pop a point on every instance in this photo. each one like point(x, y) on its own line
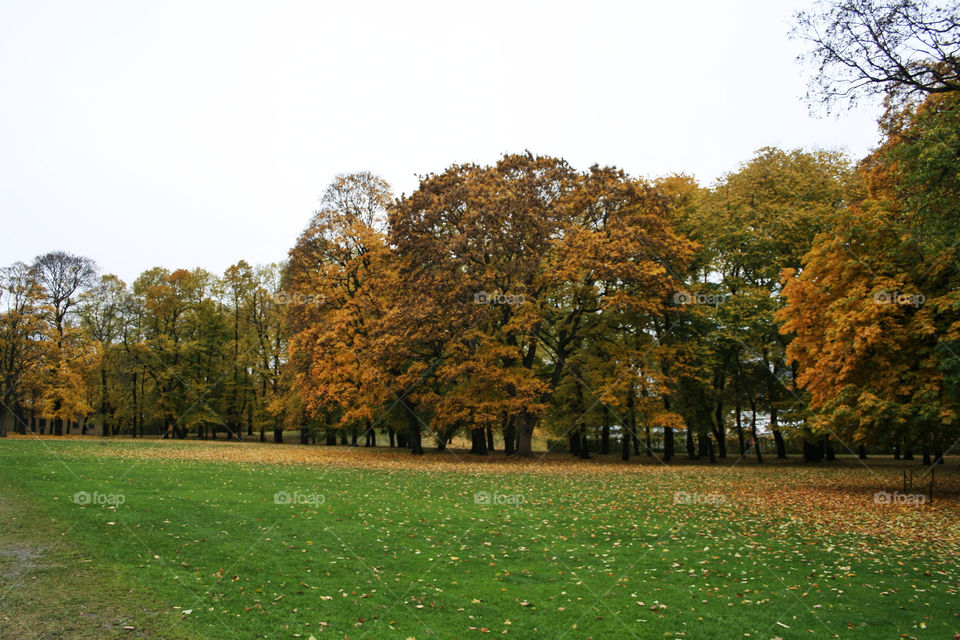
point(199, 133)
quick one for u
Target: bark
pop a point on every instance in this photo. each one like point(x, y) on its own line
point(479, 441)
point(629, 428)
point(575, 442)
point(527, 422)
point(667, 444)
point(277, 430)
point(777, 435)
point(413, 428)
point(719, 429)
point(103, 401)
point(605, 432)
point(370, 436)
point(509, 436)
point(753, 425)
point(781, 446)
point(584, 445)
point(740, 438)
point(490, 438)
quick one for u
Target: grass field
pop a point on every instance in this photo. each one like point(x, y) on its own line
point(104, 539)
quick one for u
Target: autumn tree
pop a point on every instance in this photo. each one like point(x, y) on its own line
point(874, 307)
point(24, 342)
point(63, 277)
point(518, 270)
point(331, 291)
point(102, 320)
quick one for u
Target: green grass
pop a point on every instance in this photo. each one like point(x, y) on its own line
point(396, 553)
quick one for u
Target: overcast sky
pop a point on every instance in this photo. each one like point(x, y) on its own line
point(199, 133)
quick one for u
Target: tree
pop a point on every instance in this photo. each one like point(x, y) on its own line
point(520, 272)
point(899, 48)
point(874, 308)
point(63, 277)
point(24, 340)
point(102, 319)
point(333, 283)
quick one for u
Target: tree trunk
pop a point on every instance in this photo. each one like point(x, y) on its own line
point(370, 439)
point(527, 422)
point(740, 438)
point(103, 401)
point(490, 438)
point(781, 446)
point(777, 436)
point(509, 436)
point(629, 428)
point(575, 442)
point(667, 444)
point(861, 452)
point(702, 439)
point(584, 445)
point(753, 428)
point(479, 441)
point(719, 429)
point(413, 428)
point(691, 449)
point(392, 434)
point(277, 430)
point(605, 432)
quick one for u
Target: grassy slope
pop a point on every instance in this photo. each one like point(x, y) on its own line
point(394, 552)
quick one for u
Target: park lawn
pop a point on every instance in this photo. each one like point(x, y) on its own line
point(392, 547)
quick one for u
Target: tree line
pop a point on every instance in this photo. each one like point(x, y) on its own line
point(804, 295)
